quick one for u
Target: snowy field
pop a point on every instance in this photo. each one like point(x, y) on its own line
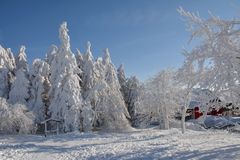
point(139, 144)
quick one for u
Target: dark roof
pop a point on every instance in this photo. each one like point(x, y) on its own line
point(51, 119)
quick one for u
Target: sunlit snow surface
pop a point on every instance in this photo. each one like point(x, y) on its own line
point(138, 144)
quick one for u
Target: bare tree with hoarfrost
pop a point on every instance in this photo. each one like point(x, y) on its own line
point(66, 102)
point(188, 78)
point(163, 86)
point(215, 60)
point(160, 98)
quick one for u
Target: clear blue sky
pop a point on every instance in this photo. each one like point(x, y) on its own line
point(145, 35)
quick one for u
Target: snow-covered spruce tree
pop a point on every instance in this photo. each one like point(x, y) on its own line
point(21, 60)
point(7, 66)
point(88, 72)
point(92, 77)
point(80, 63)
point(79, 59)
point(39, 74)
point(130, 89)
point(52, 51)
point(114, 111)
point(20, 89)
point(66, 102)
point(121, 77)
point(12, 63)
point(110, 71)
point(132, 94)
point(123, 83)
point(87, 117)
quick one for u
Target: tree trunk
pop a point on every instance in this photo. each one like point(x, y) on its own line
point(183, 119)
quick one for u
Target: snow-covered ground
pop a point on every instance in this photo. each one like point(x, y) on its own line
point(138, 144)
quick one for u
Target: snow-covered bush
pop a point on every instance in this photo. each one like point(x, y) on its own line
point(15, 118)
point(6, 117)
point(23, 120)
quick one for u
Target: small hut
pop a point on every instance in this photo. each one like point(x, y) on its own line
point(51, 126)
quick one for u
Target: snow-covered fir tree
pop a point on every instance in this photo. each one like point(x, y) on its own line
point(39, 74)
point(115, 110)
point(20, 88)
point(52, 51)
point(130, 89)
point(123, 82)
point(66, 101)
point(7, 66)
point(12, 63)
point(89, 73)
point(164, 86)
point(21, 60)
point(121, 77)
point(132, 96)
point(79, 58)
point(80, 63)
point(52, 88)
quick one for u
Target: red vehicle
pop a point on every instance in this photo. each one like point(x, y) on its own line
point(197, 113)
point(213, 112)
